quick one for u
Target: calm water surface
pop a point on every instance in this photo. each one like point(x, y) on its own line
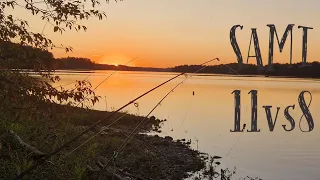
point(207, 117)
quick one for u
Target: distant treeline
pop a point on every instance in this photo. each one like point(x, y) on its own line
point(24, 57)
point(86, 64)
point(293, 70)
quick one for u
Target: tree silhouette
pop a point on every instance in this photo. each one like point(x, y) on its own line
point(21, 48)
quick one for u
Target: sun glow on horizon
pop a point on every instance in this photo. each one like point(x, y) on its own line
point(115, 59)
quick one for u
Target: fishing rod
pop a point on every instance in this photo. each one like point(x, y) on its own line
point(134, 131)
point(42, 160)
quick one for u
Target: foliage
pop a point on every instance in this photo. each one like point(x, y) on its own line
point(20, 48)
point(24, 57)
point(26, 67)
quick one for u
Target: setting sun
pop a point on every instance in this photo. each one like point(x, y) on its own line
point(115, 59)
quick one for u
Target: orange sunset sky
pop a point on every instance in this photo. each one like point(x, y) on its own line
point(165, 33)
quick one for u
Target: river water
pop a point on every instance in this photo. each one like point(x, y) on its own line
point(202, 109)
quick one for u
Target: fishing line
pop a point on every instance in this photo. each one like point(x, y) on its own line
point(243, 128)
point(260, 89)
point(112, 74)
point(42, 160)
point(244, 125)
point(145, 118)
point(102, 129)
point(102, 80)
point(98, 86)
point(187, 110)
point(47, 20)
point(73, 82)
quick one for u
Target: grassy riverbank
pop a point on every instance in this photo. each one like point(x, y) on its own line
point(144, 157)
